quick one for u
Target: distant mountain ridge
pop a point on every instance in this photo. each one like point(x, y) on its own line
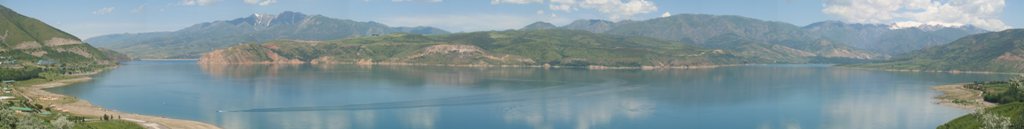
point(192, 41)
point(992, 52)
point(539, 26)
point(771, 42)
point(593, 25)
point(762, 41)
point(776, 41)
point(892, 39)
point(27, 40)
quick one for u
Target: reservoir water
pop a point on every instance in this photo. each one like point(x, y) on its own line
point(422, 97)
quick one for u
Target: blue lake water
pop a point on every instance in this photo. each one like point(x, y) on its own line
point(393, 97)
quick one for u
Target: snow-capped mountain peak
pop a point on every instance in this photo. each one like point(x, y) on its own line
point(924, 26)
point(263, 19)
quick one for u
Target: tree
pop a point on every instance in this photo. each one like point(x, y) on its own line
point(993, 121)
point(8, 119)
point(28, 122)
point(62, 122)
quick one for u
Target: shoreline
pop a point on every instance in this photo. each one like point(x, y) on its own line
point(645, 68)
point(929, 71)
point(82, 107)
point(958, 96)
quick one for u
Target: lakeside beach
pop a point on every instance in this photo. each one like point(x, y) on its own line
point(958, 96)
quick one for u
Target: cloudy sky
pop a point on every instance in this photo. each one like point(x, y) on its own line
point(89, 18)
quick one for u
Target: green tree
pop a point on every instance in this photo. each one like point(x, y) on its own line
point(28, 122)
point(8, 119)
point(62, 122)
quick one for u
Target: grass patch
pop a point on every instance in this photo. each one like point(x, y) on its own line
point(1009, 114)
point(111, 124)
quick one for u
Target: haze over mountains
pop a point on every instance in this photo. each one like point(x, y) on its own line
point(891, 39)
point(191, 42)
point(994, 52)
point(887, 39)
point(769, 42)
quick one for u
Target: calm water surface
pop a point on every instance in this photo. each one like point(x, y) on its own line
point(385, 97)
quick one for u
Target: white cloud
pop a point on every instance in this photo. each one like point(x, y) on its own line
point(562, 5)
point(260, 2)
point(666, 14)
point(431, 1)
point(614, 9)
point(516, 1)
point(471, 22)
point(980, 13)
point(139, 9)
point(103, 11)
point(197, 2)
point(617, 9)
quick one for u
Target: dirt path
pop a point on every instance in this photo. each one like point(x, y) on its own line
point(956, 95)
point(83, 107)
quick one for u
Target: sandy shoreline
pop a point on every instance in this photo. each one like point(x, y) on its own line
point(958, 96)
point(84, 108)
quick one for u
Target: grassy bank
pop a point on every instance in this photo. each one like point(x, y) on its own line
point(1008, 114)
point(112, 124)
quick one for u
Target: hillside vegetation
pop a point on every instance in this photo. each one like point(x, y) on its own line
point(25, 40)
point(527, 47)
point(994, 52)
point(883, 38)
point(775, 42)
point(1009, 114)
point(31, 49)
point(200, 38)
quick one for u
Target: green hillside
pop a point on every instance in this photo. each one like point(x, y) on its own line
point(528, 47)
point(775, 42)
point(200, 38)
point(26, 41)
point(539, 26)
point(884, 39)
point(1008, 114)
point(995, 52)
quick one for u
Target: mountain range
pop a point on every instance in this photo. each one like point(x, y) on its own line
point(28, 41)
point(192, 41)
point(748, 39)
point(783, 42)
point(767, 41)
point(554, 47)
point(892, 39)
point(993, 52)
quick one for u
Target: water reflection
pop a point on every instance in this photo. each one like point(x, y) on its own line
point(413, 75)
point(420, 118)
point(386, 97)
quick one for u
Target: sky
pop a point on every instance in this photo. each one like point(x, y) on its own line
point(90, 18)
